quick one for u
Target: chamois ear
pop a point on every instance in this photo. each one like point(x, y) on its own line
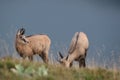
point(61, 56)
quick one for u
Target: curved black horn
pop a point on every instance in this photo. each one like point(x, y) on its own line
point(60, 54)
point(67, 57)
point(22, 31)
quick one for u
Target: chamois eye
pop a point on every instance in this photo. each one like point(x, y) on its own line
point(21, 37)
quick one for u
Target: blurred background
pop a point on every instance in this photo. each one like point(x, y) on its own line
point(60, 19)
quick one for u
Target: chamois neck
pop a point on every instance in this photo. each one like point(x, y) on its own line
point(71, 58)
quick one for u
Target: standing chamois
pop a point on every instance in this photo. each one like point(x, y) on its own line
point(27, 46)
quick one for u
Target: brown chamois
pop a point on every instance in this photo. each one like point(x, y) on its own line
point(77, 50)
point(27, 46)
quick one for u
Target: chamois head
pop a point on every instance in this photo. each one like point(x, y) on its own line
point(20, 35)
point(77, 50)
point(64, 60)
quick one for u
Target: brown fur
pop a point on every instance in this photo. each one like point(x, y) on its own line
point(77, 51)
point(27, 46)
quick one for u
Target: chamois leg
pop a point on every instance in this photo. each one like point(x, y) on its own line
point(30, 58)
point(82, 62)
point(44, 56)
point(46, 60)
point(23, 56)
point(71, 64)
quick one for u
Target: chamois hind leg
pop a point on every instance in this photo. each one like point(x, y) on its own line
point(82, 62)
point(44, 56)
point(71, 64)
point(30, 58)
point(23, 56)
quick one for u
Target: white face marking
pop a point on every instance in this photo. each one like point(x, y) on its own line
point(64, 62)
point(24, 39)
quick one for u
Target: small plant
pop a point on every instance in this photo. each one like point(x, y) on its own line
point(42, 71)
point(30, 71)
point(1, 65)
point(9, 64)
point(19, 69)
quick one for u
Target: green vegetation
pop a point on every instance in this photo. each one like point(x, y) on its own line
point(16, 69)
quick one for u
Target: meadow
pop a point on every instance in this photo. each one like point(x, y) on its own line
point(12, 67)
point(19, 69)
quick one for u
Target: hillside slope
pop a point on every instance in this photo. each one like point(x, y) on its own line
point(15, 69)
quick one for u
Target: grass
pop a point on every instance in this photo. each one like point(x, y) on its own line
point(55, 72)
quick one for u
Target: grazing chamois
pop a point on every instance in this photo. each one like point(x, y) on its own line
point(77, 50)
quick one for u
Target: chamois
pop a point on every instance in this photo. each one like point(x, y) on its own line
point(77, 50)
point(27, 46)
